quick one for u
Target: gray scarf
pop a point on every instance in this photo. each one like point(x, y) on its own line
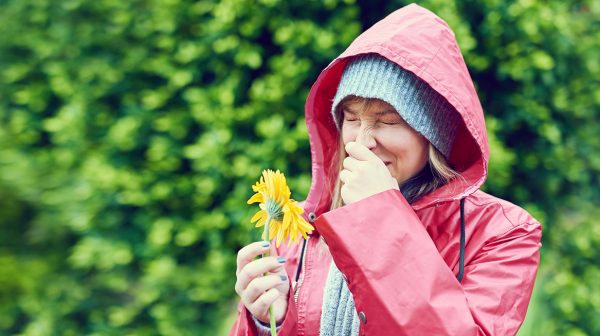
point(338, 314)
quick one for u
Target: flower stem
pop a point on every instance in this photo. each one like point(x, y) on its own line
point(271, 315)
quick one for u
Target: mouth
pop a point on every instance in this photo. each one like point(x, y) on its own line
point(387, 163)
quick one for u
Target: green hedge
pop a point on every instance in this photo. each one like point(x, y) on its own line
point(131, 131)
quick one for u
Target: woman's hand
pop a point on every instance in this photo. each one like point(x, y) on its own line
point(258, 292)
point(364, 174)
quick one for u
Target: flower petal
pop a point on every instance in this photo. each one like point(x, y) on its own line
point(258, 197)
point(261, 216)
point(273, 228)
point(287, 218)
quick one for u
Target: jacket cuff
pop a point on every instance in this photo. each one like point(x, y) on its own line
point(264, 329)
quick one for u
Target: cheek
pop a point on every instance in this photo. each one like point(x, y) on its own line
point(423, 145)
point(348, 133)
point(406, 145)
point(420, 148)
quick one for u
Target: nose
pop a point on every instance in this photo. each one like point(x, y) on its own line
point(365, 137)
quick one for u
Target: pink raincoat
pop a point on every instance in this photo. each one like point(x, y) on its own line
point(402, 261)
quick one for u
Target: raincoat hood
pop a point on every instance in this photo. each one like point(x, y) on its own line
point(418, 41)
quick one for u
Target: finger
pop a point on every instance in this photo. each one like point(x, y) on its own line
point(262, 304)
point(247, 253)
point(351, 163)
point(345, 176)
point(345, 194)
point(262, 284)
point(255, 269)
point(360, 152)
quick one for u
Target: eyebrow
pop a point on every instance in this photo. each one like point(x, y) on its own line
point(379, 113)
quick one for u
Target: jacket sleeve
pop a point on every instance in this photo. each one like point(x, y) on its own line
point(262, 329)
point(402, 286)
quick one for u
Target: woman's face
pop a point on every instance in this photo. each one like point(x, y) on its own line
point(381, 129)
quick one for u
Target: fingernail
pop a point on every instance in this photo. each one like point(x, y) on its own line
point(266, 244)
point(281, 260)
point(283, 277)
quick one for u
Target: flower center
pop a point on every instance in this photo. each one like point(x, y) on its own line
point(274, 210)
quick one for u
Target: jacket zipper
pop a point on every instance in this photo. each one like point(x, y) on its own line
point(301, 280)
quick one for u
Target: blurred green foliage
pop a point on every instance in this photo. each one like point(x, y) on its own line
point(131, 131)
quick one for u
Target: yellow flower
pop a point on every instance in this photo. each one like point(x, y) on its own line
point(281, 214)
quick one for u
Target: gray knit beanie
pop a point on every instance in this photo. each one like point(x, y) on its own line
point(423, 108)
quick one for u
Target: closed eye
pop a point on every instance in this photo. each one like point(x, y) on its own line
point(385, 123)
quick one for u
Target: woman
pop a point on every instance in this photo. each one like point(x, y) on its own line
point(405, 243)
